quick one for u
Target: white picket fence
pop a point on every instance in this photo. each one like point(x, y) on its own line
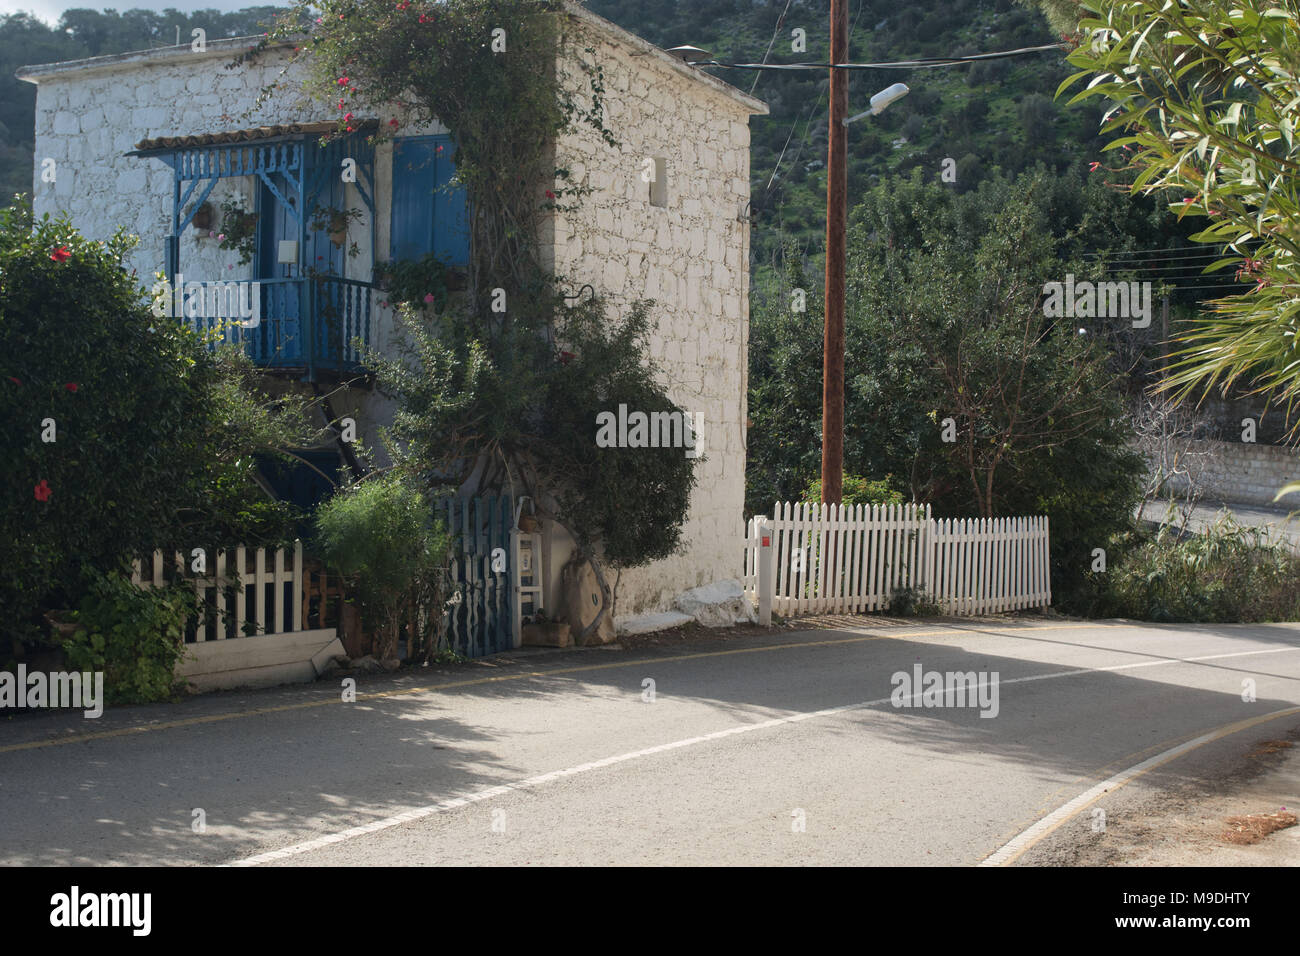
point(276, 594)
point(831, 559)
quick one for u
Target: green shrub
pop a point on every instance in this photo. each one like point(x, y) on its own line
point(381, 535)
point(860, 491)
point(134, 635)
point(913, 602)
point(1229, 574)
point(154, 435)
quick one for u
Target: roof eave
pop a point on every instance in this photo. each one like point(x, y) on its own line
point(225, 47)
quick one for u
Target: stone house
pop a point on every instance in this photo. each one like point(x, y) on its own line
point(145, 140)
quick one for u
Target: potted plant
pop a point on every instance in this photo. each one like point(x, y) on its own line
point(203, 218)
point(238, 229)
point(335, 223)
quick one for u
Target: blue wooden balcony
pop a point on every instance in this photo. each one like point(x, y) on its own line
point(309, 318)
point(310, 327)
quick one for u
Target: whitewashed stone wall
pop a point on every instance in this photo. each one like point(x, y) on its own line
point(89, 116)
point(691, 256)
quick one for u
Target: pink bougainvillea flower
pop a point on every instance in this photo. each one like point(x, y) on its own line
point(319, 20)
point(402, 6)
point(350, 129)
point(428, 297)
point(71, 386)
point(43, 491)
point(438, 150)
point(549, 194)
point(347, 116)
point(393, 123)
point(343, 81)
point(61, 254)
point(566, 357)
point(423, 18)
point(221, 235)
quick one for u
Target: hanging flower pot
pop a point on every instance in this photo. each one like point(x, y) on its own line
point(338, 229)
point(204, 217)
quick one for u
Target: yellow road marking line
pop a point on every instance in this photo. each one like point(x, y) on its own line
point(479, 681)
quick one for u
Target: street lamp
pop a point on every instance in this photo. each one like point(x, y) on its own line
point(881, 100)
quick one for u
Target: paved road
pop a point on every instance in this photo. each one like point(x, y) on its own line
point(767, 750)
point(1278, 525)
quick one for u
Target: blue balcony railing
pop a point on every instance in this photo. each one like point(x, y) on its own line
point(312, 325)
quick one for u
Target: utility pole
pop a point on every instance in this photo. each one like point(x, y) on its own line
point(836, 202)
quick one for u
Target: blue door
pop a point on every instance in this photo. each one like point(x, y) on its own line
point(277, 341)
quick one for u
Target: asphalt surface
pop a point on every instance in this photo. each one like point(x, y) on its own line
point(1276, 524)
point(782, 749)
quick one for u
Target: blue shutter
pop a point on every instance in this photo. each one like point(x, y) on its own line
point(413, 179)
point(451, 219)
point(425, 217)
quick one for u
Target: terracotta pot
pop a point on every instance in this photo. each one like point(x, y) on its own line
point(203, 218)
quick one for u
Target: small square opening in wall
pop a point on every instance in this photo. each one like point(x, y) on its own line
point(659, 182)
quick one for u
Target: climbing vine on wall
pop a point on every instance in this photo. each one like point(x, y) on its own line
point(503, 382)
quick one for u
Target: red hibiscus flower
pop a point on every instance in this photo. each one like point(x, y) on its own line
point(393, 123)
point(549, 194)
point(14, 380)
point(71, 386)
point(61, 254)
point(43, 491)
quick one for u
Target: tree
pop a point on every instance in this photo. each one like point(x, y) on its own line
point(945, 321)
point(1206, 94)
point(123, 432)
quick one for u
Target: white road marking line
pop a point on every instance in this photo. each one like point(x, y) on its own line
point(418, 813)
point(1022, 842)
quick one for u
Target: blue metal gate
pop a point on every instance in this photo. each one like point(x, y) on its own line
point(479, 617)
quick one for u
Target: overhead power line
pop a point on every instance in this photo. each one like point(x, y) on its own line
point(779, 21)
point(895, 65)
